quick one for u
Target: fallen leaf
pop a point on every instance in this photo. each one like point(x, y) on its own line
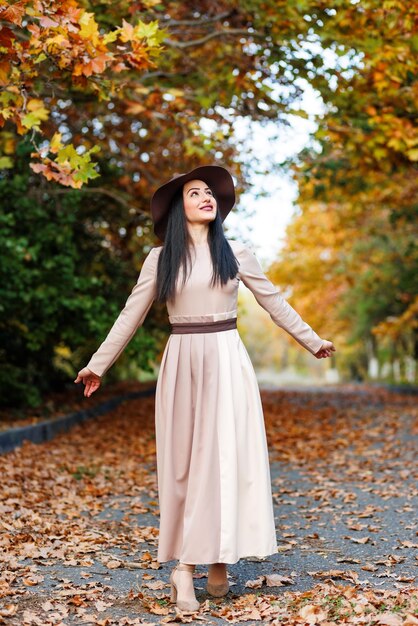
point(156, 584)
point(276, 580)
point(313, 614)
point(389, 619)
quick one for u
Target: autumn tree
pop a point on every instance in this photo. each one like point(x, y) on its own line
point(111, 99)
point(114, 98)
point(352, 246)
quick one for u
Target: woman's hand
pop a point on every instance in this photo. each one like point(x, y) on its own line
point(326, 349)
point(90, 379)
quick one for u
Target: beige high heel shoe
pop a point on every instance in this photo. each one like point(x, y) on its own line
point(183, 603)
point(217, 590)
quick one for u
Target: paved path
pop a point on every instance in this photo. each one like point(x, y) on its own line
point(344, 476)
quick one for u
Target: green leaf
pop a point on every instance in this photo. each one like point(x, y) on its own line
point(6, 162)
point(151, 32)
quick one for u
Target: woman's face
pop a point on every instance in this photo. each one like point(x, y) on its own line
point(199, 202)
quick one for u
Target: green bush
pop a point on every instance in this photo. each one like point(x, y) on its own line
point(60, 287)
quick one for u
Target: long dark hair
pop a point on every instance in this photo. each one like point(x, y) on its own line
point(176, 251)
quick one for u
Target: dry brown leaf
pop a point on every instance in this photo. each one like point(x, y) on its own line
point(156, 584)
point(157, 609)
point(389, 619)
point(255, 584)
point(336, 573)
point(77, 600)
point(348, 559)
point(253, 614)
point(312, 614)
point(369, 567)
point(47, 606)
point(8, 610)
point(182, 617)
point(276, 580)
point(33, 580)
point(102, 606)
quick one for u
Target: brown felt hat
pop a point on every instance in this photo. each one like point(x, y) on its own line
point(217, 178)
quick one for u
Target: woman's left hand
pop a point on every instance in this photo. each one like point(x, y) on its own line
point(326, 350)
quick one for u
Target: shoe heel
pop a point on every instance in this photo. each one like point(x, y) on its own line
point(173, 589)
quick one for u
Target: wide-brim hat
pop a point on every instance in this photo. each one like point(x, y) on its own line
point(217, 178)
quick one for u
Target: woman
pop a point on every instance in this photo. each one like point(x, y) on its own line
point(212, 459)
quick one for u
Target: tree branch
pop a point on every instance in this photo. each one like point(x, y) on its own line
point(198, 23)
point(217, 33)
point(103, 191)
point(161, 74)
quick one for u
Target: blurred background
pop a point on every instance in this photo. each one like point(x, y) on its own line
point(310, 105)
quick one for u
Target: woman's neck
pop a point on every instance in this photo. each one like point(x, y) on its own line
point(199, 236)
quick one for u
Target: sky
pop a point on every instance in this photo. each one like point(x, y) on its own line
point(264, 230)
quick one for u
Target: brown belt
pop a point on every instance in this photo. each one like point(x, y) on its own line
point(203, 327)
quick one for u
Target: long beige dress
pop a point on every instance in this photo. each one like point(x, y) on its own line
point(212, 459)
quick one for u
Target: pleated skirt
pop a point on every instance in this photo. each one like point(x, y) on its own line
point(213, 468)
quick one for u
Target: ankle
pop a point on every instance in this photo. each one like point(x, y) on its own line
point(186, 567)
point(220, 567)
point(218, 571)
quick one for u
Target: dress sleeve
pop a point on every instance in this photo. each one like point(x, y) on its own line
point(130, 318)
point(269, 297)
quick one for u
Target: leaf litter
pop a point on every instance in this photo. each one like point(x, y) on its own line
point(86, 504)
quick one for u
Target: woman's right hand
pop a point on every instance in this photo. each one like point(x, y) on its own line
point(91, 380)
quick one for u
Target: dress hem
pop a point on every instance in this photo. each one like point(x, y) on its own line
point(229, 562)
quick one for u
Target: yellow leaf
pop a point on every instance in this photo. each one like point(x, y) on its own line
point(89, 28)
point(413, 154)
point(59, 41)
point(9, 143)
point(141, 89)
point(6, 113)
point(37, 114)
point(177, 93)
point(55, 144)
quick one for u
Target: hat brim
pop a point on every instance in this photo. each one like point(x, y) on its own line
point(218, 179)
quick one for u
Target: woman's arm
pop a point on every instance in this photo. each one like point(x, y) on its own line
point(269, 297)
point(130, 318)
